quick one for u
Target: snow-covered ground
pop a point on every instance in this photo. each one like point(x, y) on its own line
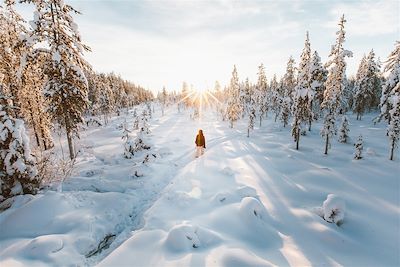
point(246, 202)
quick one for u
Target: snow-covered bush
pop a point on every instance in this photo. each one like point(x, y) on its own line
point(18, 173)
point(131, 146)
point(333, 209)
point(344, 130)
point(359, 147)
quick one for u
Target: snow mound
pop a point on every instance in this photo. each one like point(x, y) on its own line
point(371, 152)
point(252, 211)
point(228, 197)
point(228, 171)
point(43, 247)
point(334, 208)
point(186, 237)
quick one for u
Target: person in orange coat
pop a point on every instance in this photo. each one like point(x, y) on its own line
point(200, 143)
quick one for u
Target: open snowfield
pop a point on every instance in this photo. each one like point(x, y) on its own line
point(246, 202)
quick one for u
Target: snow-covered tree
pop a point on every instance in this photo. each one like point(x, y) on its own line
point(394, 125)
point(252, 115)
point(366, 84)
point(128, 142)
point(66, 88)
point(234, 107)
point(145, 122)
point(247, 91)
point(13, 46)
point(275, 97)
point(33, 105)
point(18, 173)
point(262, 87)
point(163, 99)
point(139, 143)
point(317, 83)
point(344, 130)
point(302, 95)
point(358, 148)
point(360, 88)
point(136, 123)
point(390, 106)
point(334, 84)
point(288, 85)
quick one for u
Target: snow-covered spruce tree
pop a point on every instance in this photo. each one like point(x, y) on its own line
point(358, 148)
point(233, 108)
point(66, 87)
point(18, 173)
point(334, 85)
point(252, 115)
point(390, 98)
point(394, 125)
point(288, 83)
point(392, 80)
point(275, 97)
point(128, 142)
point(163, 100)
point(344, 130)
point(367, 82)
point(247, 91)
point(302, 95)
point(136, 122)
point(262, 87)
point(105, 98)
point(317, 80)
point(148, 105)
point(360, 89)
point(374, 80)
point(145, 122)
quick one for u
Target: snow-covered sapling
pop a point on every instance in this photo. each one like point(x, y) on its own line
point(139, 143)
point(136, 123)
point(128, 145)
point(359, 147)
point(333, 209)
point(145, 126)
point(344, 130)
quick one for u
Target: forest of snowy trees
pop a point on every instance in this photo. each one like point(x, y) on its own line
point(47, 86)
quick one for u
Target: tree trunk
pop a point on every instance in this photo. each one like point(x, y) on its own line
point(248, 132)
point(326, 145)
point(297, 139)
point(260, 120)
point(392, 150)
point(69, 137)
point(35, 130)
point(309, 124)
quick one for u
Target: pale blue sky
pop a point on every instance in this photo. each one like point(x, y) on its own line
point(156, 43)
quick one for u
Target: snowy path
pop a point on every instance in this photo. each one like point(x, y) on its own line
point(246, 202)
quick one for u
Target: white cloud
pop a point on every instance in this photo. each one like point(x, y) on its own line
point(368, 18)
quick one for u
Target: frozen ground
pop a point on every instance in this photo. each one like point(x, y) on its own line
point(247, 202)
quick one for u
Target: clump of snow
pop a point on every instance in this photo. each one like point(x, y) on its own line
point(251, 210)
point(334, 208)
